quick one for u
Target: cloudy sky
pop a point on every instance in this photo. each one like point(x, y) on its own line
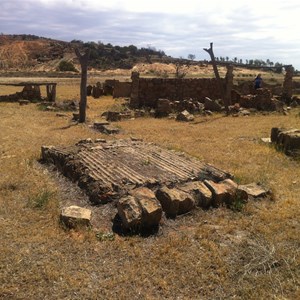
point(246, 29)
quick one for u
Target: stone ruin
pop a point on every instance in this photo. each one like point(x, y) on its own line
point(287, 91)
point(287, 140)
point(143, 181)
point(174, 95)
point(31, 92)
point(109, 87)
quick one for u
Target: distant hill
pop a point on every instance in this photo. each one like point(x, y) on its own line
point(30, 52)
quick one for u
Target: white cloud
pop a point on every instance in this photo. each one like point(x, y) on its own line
point(248, 29)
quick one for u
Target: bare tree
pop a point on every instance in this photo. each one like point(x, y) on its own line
point(220, 85)
point(83, 59)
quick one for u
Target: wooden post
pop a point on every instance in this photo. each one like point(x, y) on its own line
point(220, 85)
point(83, 59)
point(229, 84)
point(53, 93)
point(48, 92)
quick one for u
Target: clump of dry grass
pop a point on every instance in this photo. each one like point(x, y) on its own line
point(206, 254)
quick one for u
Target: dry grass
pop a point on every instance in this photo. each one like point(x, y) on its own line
point(215, 254)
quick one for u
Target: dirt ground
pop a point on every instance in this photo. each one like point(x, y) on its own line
point(248, 253)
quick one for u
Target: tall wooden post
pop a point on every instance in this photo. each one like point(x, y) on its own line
point(220, 85)
point(83, 59)
point(228, 83)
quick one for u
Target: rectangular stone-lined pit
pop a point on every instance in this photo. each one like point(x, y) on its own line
point(107, 170)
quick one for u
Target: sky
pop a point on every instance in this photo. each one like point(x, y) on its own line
point(246, 29)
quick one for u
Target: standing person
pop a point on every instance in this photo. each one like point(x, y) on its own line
point(258, 82)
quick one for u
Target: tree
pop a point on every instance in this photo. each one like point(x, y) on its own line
point(191, 56)
point(221, 88)
point(83, 59)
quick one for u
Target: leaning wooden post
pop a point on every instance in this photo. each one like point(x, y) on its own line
point(220, 85)
point(83, 59)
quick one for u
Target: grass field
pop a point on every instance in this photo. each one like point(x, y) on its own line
point(214, 254)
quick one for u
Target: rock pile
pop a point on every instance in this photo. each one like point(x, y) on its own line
point(262, 100)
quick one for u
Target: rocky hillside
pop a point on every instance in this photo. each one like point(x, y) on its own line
point(28, 52)
point(33, 53)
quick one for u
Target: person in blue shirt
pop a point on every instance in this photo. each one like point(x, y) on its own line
point(258, 82)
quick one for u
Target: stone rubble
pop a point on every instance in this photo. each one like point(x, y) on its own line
point(75, 216)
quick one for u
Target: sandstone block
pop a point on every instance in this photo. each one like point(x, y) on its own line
point(73, 216)
point(130, 212)
point(106, 128)
point(163, 107)
point(212, 105)
point(254, 190)
point(185, 116)
point(201, 193)
point(151, 207)
point(222, 193)
point(234, 190)
point(24, 102)
point(288, 140)
point(175, 201)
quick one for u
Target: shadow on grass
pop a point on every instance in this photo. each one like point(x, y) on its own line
point(208, 120)
point(119, 229)
point(66, 127)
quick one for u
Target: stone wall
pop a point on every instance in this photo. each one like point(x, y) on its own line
point(122, 89)
point(146, 91)
point(247, 87)
point(31, 92)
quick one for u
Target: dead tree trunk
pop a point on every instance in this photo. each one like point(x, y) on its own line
point(83, 59)
point(220, 85)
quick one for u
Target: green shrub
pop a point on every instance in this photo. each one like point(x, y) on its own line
point(40, 200)
point(66, 66)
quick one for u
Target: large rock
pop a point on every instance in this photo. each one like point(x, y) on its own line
point(254, 190)
point(130, 212)
point(219, 192)
point(175, 201)
point(200, 192)
point(113, 116)
point(105, 127)
point(185, 116)
point(234, 189)
point(287, 140)
point(151, 207)
point(212, 105)
point(225, 192)
point(74, 216)
point(163, 108)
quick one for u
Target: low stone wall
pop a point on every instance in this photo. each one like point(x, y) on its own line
point(31, 92)
point(122, 89)
point(287, 140)
point(146, 91)
point(247, 87)
point(11, 98)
